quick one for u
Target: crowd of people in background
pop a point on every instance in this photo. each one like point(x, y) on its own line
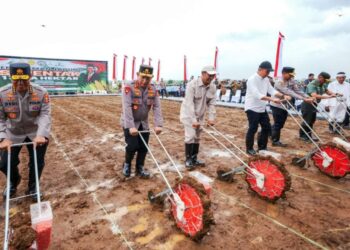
point(230, 90)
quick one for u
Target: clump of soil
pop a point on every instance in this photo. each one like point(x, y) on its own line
point(23, 234)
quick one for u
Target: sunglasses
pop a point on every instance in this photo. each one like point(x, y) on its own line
point(19, 77)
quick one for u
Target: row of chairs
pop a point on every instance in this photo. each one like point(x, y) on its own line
point(226, 98)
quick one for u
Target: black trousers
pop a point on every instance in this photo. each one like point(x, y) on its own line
point(135, 144)
point(163, 92)
point(279, 118)
point(309, 115)
point(40, 151)
point(254, 119)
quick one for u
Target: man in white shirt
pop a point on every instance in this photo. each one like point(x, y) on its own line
point(338, 107)
point(256, 99)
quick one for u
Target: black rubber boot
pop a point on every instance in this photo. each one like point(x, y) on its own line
point(140, 162)
point(276, 139)
point(189, 151)
point(196, 162)
point(127, 164)
point(13, 188)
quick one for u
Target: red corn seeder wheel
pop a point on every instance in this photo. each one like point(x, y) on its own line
point(340, 165)
point(277, 179)
point(197, 216)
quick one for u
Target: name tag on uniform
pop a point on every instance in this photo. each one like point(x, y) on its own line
point(9, 109)
point(9, 103)
point(32, 102)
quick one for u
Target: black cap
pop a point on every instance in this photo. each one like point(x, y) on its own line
point(266, 65)
point(325, 75)
point(20, 71)
point(146, 70)
point(288, 70)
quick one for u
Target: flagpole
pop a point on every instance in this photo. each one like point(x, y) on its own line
point(114, 68)
point(185, 68)
point(216, 59)
point(278, 62)
point(124, 67)
point(158, 71)
point(133, 68)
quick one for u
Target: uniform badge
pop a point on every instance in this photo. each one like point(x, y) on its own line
point(46, 98)
point(150, 92)
point(127, 89)
point(12, 115)
point(137, 91)
point(10, 96)
point(35, 98)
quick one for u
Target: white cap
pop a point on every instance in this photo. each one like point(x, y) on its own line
point(209, 69)
point(341, 74)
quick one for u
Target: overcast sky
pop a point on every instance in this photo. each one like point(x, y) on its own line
point(317, 33)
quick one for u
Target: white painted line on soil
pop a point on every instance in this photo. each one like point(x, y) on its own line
point(116, 230)
point(320, 183)
point(297, 233)
point(98, 130)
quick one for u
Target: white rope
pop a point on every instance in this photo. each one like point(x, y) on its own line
point(297, 233)
point(115, 226)
point(320, 183)
point(98, 130)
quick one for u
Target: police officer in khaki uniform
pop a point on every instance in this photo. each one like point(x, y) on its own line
point(139, 98)
point(286, 86)
point(25, 116)
point(200, 97)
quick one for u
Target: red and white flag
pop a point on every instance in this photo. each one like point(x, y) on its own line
point(216, 59)
point(114, 76)
point(124, 67)
point(279, 62)
point(133, 68)
point(158, 71)
point(185, 68)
